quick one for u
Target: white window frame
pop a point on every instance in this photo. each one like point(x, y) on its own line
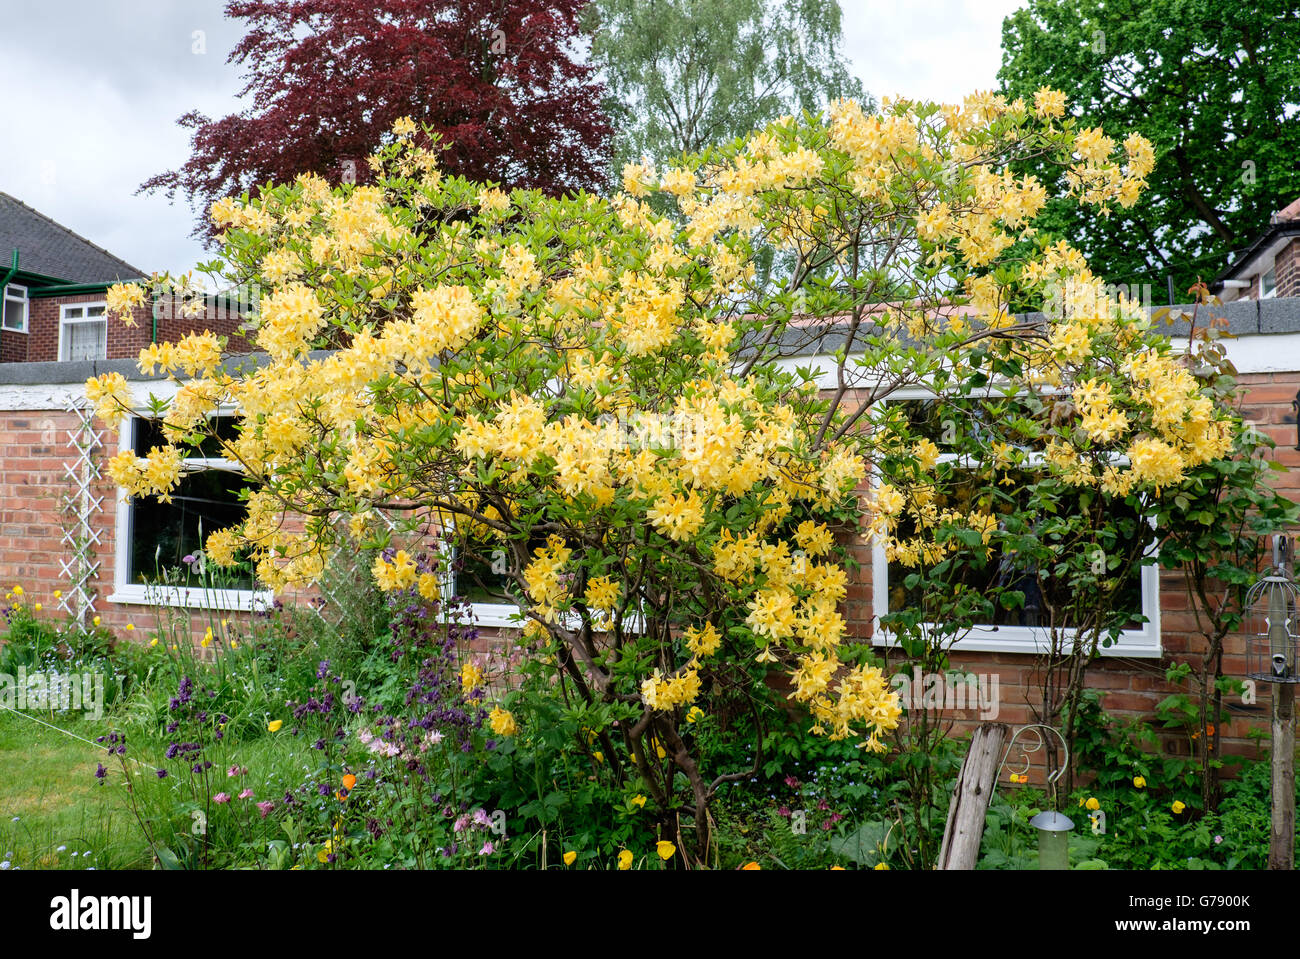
point(65, 321)
point(10, 297)
point(189, 597)
point(1140, 643)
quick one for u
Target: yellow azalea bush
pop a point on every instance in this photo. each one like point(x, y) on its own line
point(586, 391)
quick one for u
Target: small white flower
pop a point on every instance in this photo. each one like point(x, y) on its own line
point(63, 849)
point(5, 865)
point(74, 855)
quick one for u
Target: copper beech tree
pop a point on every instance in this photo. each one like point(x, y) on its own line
point(497, 80)
point(593, 394)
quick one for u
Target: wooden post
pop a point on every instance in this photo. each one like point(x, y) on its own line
point(1281, 847)
point(971, 797)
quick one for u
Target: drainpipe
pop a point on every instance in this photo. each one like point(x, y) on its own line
point(12, 270)
point(4, 284)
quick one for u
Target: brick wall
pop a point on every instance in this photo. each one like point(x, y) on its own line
point(33, 449)
point(1287, 269)
point(41, 342)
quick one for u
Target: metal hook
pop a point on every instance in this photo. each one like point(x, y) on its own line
point(1026, 750)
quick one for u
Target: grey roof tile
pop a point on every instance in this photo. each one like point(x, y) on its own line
point(52, 249)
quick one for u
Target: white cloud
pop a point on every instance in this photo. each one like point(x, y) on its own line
point(926, 49)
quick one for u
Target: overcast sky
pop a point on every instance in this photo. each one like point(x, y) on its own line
point(94, 88)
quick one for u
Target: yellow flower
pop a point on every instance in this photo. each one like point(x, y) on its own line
point(665, 849)
point(751, 865)
point(470, 677)
point(1139, 782)
point(130, 627)
point(624, 860)
point(1178, 806)
point(882, 865)
point(95, 620)
point(58, 594)
point(274, 725)
point(837, 869)
point(18, 590)
point(569, 857)
point(1092, 803)
point(639, 801)
point(599, 756)
point(37, 607)
point(154, 641)
point(502, 722)
point(695, 714)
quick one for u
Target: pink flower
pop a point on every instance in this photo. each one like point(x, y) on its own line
point(236, 771)
point(265, 806)
point(487, 849)
point(481, 818)
point(461, 824)
point(792, 782)
point(784, 811)
point(246, 794)
point(221, 798)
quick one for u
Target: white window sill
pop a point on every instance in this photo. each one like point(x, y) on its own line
point(1029, 641)
point(235, 600)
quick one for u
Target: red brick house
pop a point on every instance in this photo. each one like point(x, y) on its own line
point(1270, 266)
point(54, 284)
point(54, 491)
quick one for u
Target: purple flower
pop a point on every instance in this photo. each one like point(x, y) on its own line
point(162, 774)
point(101, 772)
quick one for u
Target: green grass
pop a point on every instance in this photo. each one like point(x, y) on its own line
point(49, 797)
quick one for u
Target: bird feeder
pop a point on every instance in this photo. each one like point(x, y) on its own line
point(1053, 839)
point(1271, 658)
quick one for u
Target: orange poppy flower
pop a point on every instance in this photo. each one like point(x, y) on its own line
point(349, 781)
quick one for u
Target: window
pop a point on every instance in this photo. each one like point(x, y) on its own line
point(479, 574)
point(15, 309)
point(1268, 284)
point(83, 332)
point(155, 539)
point(1018, 629)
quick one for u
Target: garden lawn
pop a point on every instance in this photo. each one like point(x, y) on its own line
point(49, 798)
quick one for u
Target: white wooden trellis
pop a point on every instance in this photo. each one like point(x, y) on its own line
point(330, 608)
point(79, 564)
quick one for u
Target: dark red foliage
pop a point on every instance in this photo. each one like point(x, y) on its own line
point(497, 79)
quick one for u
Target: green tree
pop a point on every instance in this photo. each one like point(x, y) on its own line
point(683, 75)
point(1211, 83)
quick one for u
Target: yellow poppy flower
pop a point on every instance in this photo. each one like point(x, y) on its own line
point(274, 725)
point(624, 860)
point(665, 849)
point(569, 857)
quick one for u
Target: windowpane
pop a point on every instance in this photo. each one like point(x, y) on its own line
point(163, 534)
point(85, 341)
point(1002, 492)
point(15, 313)
point(1004, 572)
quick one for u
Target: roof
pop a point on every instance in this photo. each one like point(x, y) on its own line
point(1283, 224)
point(51, 249)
